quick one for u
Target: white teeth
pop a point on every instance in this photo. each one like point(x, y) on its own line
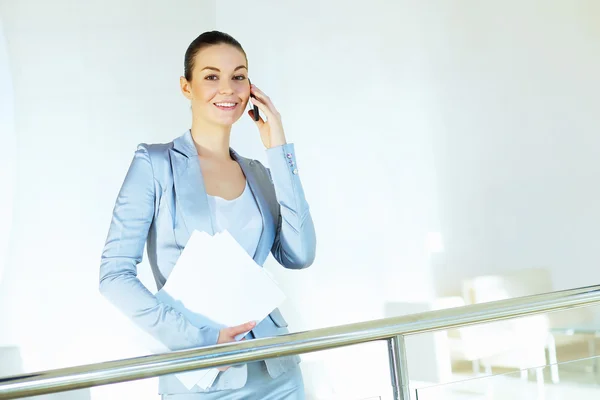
point(225, 104)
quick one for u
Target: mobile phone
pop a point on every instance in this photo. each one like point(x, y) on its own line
point(256, 115)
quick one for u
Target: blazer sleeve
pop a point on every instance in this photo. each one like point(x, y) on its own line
point(295, 240)
point(132, 216)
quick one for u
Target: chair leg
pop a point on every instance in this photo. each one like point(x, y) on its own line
point(539, 377)
point(552, 359)
point(488, 369)
point(476, 367)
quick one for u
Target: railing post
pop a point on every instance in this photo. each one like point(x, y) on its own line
point(398, 367)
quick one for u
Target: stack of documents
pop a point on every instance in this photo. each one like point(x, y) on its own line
point(215, 282)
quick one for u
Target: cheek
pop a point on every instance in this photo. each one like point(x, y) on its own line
point(244, 94)
point(204, 93)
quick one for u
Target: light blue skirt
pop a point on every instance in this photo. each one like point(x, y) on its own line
point(259, 386)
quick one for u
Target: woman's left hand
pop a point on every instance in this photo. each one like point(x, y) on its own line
point(271, 130)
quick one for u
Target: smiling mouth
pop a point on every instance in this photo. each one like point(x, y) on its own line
point(226, 106)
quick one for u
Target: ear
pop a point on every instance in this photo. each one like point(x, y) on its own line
point(186, 87)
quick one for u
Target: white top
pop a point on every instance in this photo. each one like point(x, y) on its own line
point(240, 216)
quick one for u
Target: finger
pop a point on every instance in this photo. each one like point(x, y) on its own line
point(260, 121)
point(236, 330)
point(257, 92)
point(263, 97)
point(262, 107)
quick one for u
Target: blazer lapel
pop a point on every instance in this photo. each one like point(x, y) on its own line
point(264, 244)
point(190, 192)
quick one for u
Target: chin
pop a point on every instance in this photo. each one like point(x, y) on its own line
point(226, 121)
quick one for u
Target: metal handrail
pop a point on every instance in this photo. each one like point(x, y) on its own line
point(391, 329)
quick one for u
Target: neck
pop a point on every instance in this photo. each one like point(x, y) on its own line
point(211, 141)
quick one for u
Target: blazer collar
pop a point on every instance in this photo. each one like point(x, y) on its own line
point(192, 198)
point(184, 145)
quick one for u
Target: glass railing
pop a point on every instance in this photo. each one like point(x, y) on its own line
point(527, 330)
point(579, 379)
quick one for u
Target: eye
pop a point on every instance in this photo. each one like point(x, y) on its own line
point(211, 78)
point(239, 77)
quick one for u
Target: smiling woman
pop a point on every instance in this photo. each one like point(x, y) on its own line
point(197, 182)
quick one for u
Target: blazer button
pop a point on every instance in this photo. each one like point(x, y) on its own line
point(295, 171)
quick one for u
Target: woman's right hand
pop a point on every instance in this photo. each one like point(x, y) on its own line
point(227, 335)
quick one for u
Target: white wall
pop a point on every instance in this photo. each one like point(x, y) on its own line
point(92, 80)
point(517, 138)
point(7, 160)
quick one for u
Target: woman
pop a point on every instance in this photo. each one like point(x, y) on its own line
point(196, 182)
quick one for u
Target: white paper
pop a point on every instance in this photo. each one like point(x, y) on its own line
point(208, 379)
point(215, 282)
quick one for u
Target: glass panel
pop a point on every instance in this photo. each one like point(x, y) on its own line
point(146, 389)
point(574, 379)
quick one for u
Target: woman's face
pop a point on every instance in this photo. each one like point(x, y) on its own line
point(219, 89)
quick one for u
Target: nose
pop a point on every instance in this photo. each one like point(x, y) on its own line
point(225, 86)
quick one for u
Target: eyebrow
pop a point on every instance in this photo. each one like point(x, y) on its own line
point(218, 70)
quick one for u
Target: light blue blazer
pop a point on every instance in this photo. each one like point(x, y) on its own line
point(161, 202)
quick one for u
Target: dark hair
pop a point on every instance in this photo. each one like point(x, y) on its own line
point(207, 39)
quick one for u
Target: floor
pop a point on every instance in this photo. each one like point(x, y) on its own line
point(578, 380)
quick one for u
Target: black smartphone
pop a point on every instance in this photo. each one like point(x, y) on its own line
point(256, 115)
